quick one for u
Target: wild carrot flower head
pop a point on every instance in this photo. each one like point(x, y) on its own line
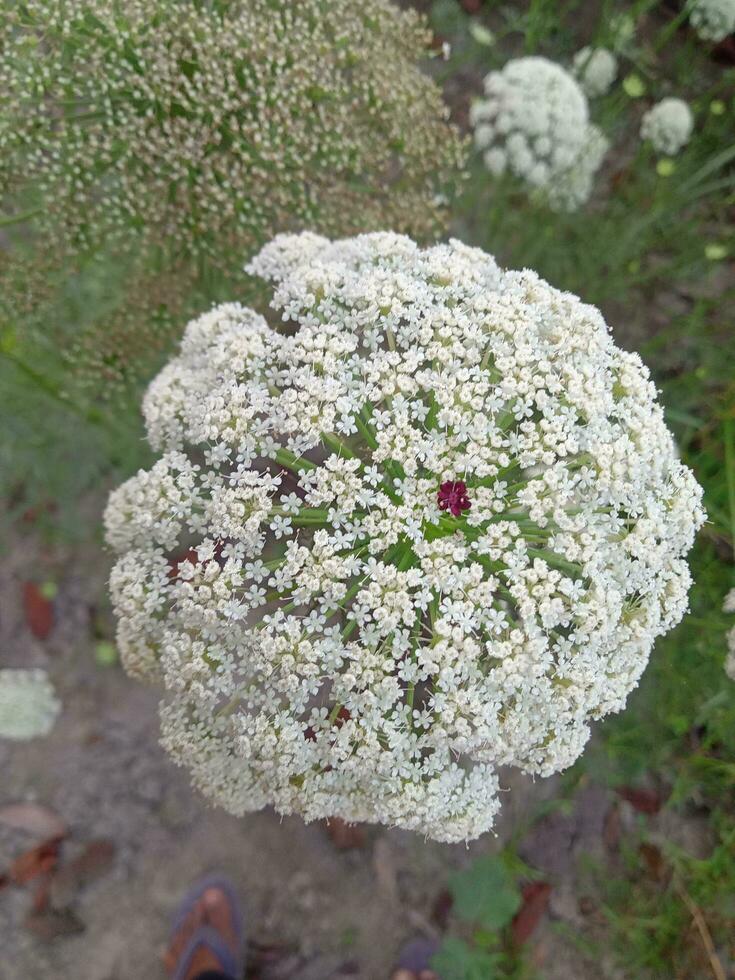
point(713, 20)
point(668, 126)
point(596, 69)
point(424, 522)
point(533, 122)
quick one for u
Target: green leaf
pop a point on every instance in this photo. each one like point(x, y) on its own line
point(485, 893)
point(49, 590)
point(634, 86)
point(105, 653)
point(481, 34)
point(455, 960)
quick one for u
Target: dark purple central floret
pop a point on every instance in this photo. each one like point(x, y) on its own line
point(453, 497)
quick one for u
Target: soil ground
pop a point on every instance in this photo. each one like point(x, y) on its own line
point(314, 911)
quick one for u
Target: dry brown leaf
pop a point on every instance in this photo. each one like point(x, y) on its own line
point(653, 859)
point(441, 909)
point(94, 861)
point(32, 818)
point(39, 611)
point(39, 860)
point(642, 800)
point(345, 836)
point(536, 896)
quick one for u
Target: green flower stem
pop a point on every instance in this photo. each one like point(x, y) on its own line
point(397, 551)
point(334, 712)
point(337, 446)
point(49, 388)
point(17, 219)
point(665, 35)
point(553, 559)
point(365, 431)
point(293, 462)
point(349, 630)
point(274, 563)
point(406, 560)
point(317, 512)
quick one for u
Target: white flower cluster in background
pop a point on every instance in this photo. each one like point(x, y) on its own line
point(728, 606)
point(621, 30)
point(713, 20)
point(28, 706)
point(534, 123)
point(668, 126)
point(429, 527)
point(596, 70)
point(574, 185)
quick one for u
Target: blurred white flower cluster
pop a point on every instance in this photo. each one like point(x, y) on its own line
point(429, 528)
point(28, 704)
point(713, 20)
point(728, 606)
point(668, 126)
point(534, 123)
point(596, 70)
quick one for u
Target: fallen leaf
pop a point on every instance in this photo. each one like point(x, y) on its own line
point(41, 895)
point(273, 960)
point(534, 901)
point(38, 610)
point(619, 178)
point(642, 800)
point(32, 818)
point(587, 905)
point(653, 859)
point(39, 860)
point(724, 52)
point(345, 836)
point(441, 908)
point(31, 514)
point(53, 923)
point(94, 861)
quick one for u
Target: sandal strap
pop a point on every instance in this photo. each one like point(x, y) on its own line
point(208, 937)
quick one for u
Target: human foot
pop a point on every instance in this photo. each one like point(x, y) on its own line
point(207, 937)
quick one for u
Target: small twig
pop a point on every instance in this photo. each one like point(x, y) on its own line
point(706, 936)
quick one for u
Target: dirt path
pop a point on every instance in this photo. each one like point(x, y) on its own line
point(315, 912)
